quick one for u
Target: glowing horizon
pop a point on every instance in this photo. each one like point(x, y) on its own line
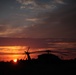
point(8, 53)
point(11, 49)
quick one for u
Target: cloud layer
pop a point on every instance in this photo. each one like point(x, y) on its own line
point(38, 4)
point(39, 19)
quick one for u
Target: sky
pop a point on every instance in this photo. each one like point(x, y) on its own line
point(38, 18)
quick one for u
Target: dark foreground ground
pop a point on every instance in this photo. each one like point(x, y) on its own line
point(38, 67)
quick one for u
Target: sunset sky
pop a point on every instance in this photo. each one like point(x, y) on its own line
point(38, 18)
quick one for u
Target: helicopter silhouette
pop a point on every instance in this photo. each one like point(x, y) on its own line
point(46, 52)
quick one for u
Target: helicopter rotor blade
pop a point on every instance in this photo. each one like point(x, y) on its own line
point(12, 53)
point(62, 53)
point(49, 51)
point(37, 52)
point(28, 49)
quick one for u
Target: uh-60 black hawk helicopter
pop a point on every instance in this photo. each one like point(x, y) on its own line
point(46, 54)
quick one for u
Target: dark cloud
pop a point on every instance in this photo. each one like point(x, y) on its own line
point(59, 24)
point(43, 2)
point(39, 4)
point(70, 1)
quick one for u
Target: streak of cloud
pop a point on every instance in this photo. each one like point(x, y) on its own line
point(38, 4)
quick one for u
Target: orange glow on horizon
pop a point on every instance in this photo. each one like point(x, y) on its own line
point(12, 49)
point(15, 49)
